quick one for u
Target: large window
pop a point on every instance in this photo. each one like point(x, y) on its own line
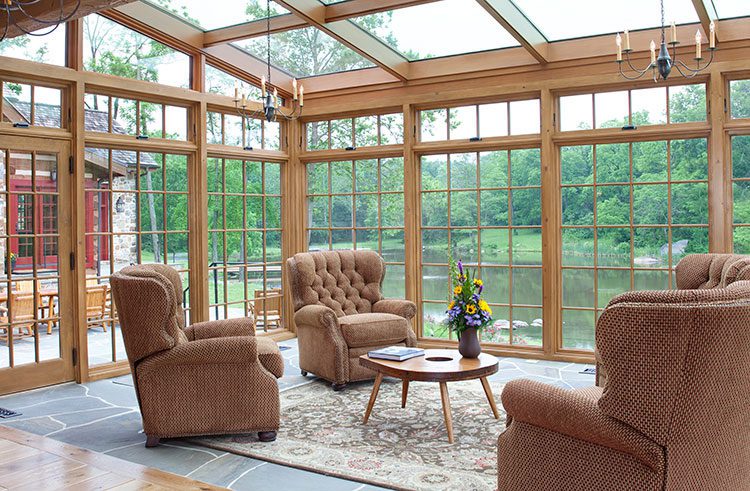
point(47, 48)
point(136, 212)
point(135, 117)
point(636, 107)
point(360, 205)
point(630, 211)
point(480, 121)
point(741, 193)
point(484, 209)
point(244, 240)
point(739, 95)
point(111, 48)
point(237, 131)
point(363, 131)
point(29, 283)
point(33, 105)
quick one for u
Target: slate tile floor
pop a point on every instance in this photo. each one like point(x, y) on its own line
point(103, 416)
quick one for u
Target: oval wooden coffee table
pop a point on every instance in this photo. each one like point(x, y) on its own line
point(437, 365)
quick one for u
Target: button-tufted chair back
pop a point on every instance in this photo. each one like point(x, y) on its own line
point(346, 281)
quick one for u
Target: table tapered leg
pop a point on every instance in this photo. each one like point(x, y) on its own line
point(447, 410)
point(404, 392)
point(490, 397)
point(373, 396)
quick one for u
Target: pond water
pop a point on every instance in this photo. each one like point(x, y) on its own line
point(582, 289)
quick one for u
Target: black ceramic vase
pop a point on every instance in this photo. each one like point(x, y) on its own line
point(468, 343)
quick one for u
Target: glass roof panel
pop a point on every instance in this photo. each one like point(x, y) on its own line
point(305, 52)
point(732, 8)
point(580, 18)
point(218, 13)
point(444, 28)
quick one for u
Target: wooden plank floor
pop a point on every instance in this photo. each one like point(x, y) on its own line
point(30, 461)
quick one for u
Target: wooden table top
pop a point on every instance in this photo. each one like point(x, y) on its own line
point(437, 365)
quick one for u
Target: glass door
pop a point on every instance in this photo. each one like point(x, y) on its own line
point(36, 315)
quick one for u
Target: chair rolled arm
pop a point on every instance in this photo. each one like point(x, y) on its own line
point(402, 308)
point(578, 416)
point(243, 326)
point(316, 316)
point(239, 350)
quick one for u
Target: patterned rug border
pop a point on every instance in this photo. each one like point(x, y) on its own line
point(213, 443)
point(271, 460)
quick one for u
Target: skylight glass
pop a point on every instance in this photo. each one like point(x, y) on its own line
point(570, 19)
point(216, 14)
point(305, 52)
point(444, 28)
point(732, 8)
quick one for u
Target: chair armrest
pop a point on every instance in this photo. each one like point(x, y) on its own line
point(243, 326)
point(573, 414)
point(240, 350)
point(316, 316)
point(402, 308)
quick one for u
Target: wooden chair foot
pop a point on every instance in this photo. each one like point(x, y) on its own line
point(267, 436)
point(152, 441)
point(303, 372)
point(338, 387)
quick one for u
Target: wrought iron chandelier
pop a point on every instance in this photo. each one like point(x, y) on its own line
point(661, 65)
point(272, 109)
point(15, 10)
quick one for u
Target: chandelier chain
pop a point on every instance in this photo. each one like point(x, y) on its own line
point(663, 37)
point(268, 38)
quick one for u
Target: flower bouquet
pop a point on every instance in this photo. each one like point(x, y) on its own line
point(467, 312)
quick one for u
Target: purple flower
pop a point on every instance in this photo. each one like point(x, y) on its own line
point(481, 287)
point(460, 268)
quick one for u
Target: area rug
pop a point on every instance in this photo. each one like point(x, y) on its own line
point(322, 431)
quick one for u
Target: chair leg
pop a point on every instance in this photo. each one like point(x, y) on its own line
point(267, 436)
point(303, 372)
point(338, 387)
point(152, 441)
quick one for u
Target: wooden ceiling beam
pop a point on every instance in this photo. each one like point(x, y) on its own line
point(256, 28)
point(349, 34)
point(358, 8)
point(49, 10)
point(519, 26)
point(707, 13)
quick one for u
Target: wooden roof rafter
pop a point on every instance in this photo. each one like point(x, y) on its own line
point(519, 26)
point(287, 22)
point(350, 35)
point(706, 13)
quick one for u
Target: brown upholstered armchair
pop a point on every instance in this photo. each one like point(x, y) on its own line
point(340, 313)
point(673, 414)
point(698, 272)
point(210, 378)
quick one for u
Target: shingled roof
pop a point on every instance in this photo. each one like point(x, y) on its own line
point(48, 115)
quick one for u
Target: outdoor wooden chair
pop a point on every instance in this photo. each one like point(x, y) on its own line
point(21, 311)
point(268, 308)
point(96, 306)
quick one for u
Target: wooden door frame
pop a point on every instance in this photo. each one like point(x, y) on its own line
point(57, 370)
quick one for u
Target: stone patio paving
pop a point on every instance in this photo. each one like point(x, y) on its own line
point(103, 416)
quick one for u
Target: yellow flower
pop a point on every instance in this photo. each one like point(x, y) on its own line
point(484, 306)
point(478, 282)
point(451, 305)
point(457, 290)
point(471, 309)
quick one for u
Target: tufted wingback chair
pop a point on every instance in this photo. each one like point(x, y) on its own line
point(340, 313)
point(210, 378)
point(698, 272)
point(674, 413)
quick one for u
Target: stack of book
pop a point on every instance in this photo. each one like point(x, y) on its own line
point(396, 353)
